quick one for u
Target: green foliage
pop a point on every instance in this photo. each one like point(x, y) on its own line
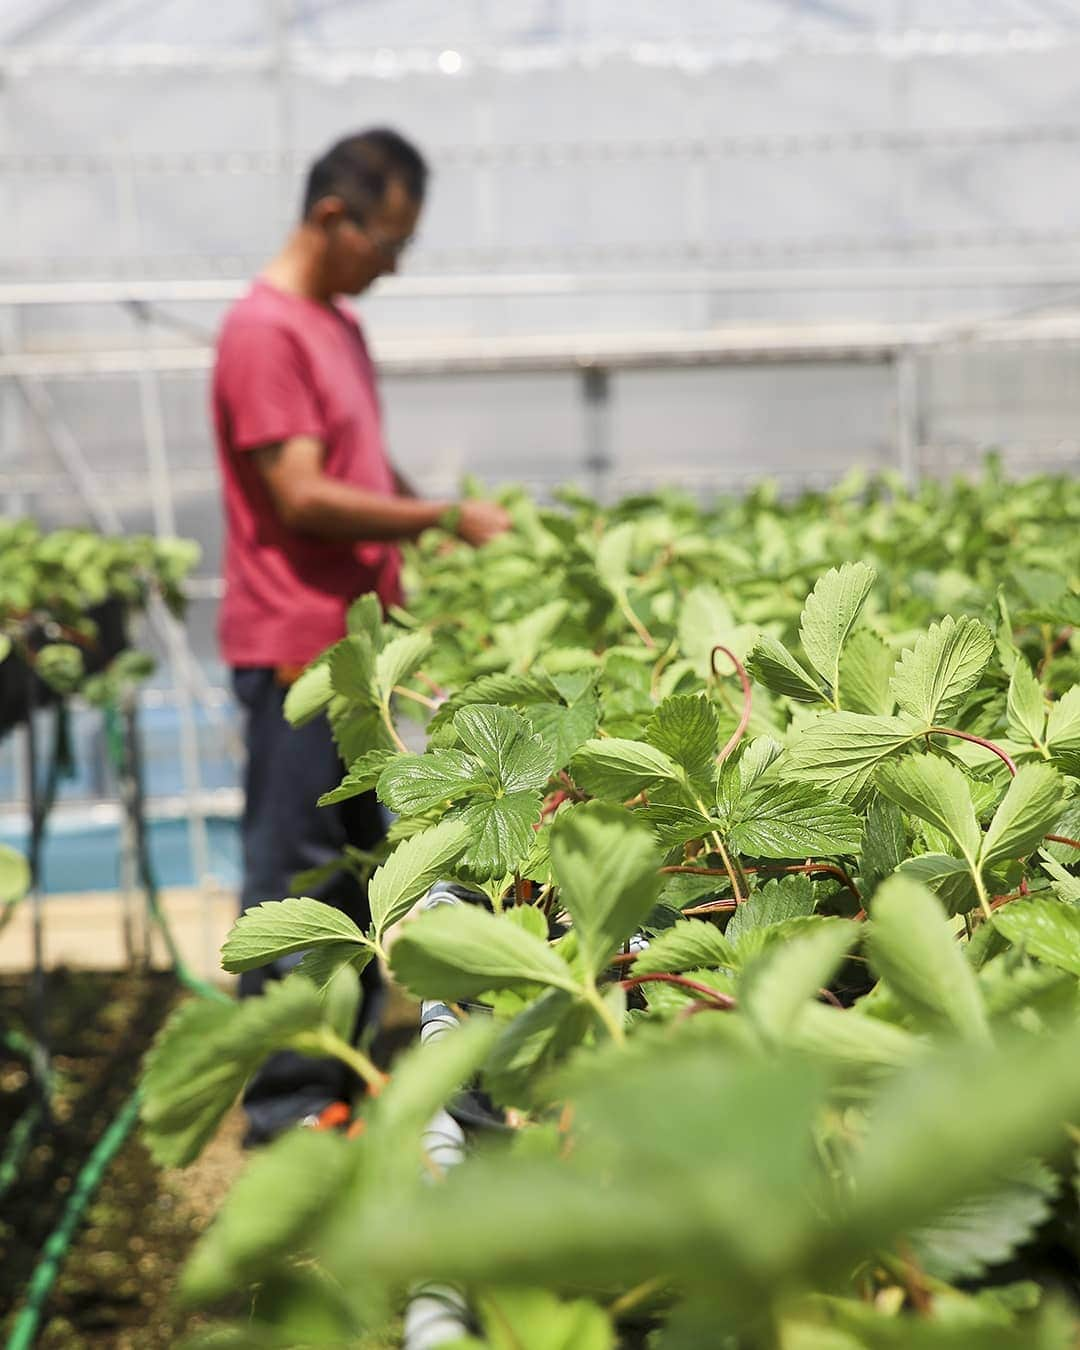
point(826, 1111)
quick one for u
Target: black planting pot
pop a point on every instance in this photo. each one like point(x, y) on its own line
point(21, 688)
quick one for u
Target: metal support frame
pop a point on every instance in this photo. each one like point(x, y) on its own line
point(596, 400)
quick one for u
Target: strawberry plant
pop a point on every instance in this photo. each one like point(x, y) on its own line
point(771, 963)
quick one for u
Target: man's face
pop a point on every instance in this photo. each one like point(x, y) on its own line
point(358, 255)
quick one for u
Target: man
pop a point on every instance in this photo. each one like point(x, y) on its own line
point(314, 510)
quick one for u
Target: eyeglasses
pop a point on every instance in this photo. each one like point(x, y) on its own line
point(389, 247)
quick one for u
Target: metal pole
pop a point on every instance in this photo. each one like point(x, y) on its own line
point(908, 415)
point(596, 392)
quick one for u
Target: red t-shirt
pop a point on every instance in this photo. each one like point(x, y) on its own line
point(288, 366)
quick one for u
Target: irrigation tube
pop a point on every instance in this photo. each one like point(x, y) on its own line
point(121, 736)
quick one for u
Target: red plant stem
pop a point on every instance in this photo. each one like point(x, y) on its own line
point(744, 680)
point(1063, 839)
point(832, 869)
point(1000, 900)
point(719, 999)
point(713, 907)
point(435, 688)
point(554, 802)
point(698, 1006)
point(977, 740)
point(830, 997)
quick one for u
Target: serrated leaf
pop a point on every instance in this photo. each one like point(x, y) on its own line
point(776, 986)
point(1064, 885)
point(936, 791)
point(841, 750)
point(536, 1319)
point(502, 741)
point(277, 928)
point(364, 615)
point(204, 1055)
point(500, 833)
point(985, 1230)
point(1047, 929)
point(362, 777)
point(613, 553)
point(932, 679)
point(565, 729)
point(914, 951)
point(321, 964)
point(949, 878)
point(866, 666)
point(1027, 813)
point(884, 844)
point(1026, 707)
point(532, 1042)
point(674, 825)
point(412, 868)
point(351, 663)
point(411, 784)
point(308, 695)
point(690, 944)
point(829, 615)
point(400, 658)
point(848, 1037)
point(687, 728)
point(426, 1076)
point(1063, 724)
point(606, 866)
point(619, 769)
point(771, 664)
point(458, 951)
point(793, 820)
point(778, 901)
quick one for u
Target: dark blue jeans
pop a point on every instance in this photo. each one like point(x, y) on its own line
point(284, 832)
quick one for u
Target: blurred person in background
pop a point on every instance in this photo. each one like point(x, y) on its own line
point(314, 511)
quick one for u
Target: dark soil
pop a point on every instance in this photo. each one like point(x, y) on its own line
point(114, 1287)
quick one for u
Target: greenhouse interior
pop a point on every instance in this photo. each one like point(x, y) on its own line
point(716, 391)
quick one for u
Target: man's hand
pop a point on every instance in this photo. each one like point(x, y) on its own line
point(480, 521)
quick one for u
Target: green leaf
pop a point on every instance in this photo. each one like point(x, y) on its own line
point(321, 965)
point(1063, 724)
point(5, 647)
point(364, 615)
point(779, 983)
point(866, 666)
point(884, 844)
point(279, 927)
point(204, 1055)
point(535, 1319)
point(500, 833)
point(412, 784)
point(829, 615)
point(14, 875)
point(786, 898)
point(841, 750)
point(606, 866)
point(1064, 885)
point(565, 729)
point(502, 741)
point(352, 670)
point(413, 867)
point(400, 658)
point(686, 727)
point(619, 769)
point(1047, 929)
point(705, 619)
point(305, 1171)
point(914, 951)
point(424, 1078)
point(932, 679)
point(1026, 707)
point(362, 777)
point(987, 1229)
point(1027, 813)
point(949, 878)
point(60, 665)
point(793, 820)
point(614, 550)
point(456, 952)
point(690, 944)
point(771, 664)
point(847, 1037)
point(532, 1043)
point(936, 791)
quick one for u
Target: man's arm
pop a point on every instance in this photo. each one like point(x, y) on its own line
point(310, 502)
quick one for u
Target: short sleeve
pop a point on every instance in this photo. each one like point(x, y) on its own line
point(264, 386)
